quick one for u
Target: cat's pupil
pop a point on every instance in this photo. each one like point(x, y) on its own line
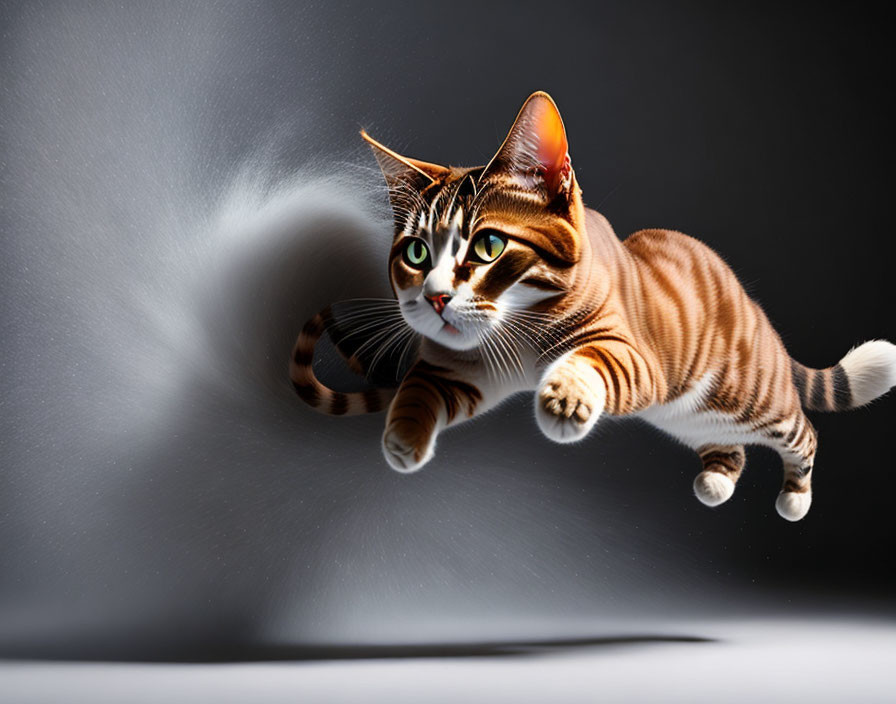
point(416, 253)
point(488, 247)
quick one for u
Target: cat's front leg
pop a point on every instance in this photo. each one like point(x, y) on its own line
point(429, 398)
point(611, 376)
point(570, 399)
point(409, 442)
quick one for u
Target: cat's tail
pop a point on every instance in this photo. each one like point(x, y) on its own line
point(866, 372)
point(320, 397)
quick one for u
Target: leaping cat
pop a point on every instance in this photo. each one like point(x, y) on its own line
point(513, 285)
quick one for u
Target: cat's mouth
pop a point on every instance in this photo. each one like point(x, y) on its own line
point(459, 329)
point(456, 331)
point(456, 323)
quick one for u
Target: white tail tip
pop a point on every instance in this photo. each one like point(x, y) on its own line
point(871, 369)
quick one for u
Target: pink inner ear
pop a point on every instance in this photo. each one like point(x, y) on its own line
point(552, 146)
point(536, 145)
point(554, 176)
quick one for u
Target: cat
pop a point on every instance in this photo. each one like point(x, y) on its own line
point(513, 285)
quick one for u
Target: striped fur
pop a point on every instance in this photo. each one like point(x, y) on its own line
point(822, 389)
point(429, 397)
point(722, 466)
point(656, 326)
point(865, 373)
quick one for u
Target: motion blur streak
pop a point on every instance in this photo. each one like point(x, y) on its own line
point(182, 187)
point(160, 477)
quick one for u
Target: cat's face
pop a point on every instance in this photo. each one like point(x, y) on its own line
point(476, 248)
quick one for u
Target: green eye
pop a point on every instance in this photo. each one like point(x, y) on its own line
point(488, 246)
point(416, 253)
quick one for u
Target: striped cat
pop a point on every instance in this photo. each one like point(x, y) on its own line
point(512, 285)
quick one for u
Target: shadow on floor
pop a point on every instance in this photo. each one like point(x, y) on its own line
point(218, 652)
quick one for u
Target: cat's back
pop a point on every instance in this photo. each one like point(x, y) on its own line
point(654, 251)
point(687, 303)
point(658, 249)
point(687, 274)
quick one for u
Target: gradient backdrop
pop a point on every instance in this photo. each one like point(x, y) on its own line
point(183, 185)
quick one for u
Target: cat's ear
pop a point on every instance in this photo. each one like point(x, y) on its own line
point(402, 171)
point(535, 152)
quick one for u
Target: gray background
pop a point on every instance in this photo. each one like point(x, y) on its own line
point(183, 185)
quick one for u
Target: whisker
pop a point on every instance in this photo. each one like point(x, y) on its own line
point(501, 362)
point(412, 337)
point(520, 333)
point(540, 336)
point(395, 339)
point(383, 312)
point(490, 370)
point(510, 341)
point(502, 344)
point(363, 299)
point(378, 336)
point(376, 323)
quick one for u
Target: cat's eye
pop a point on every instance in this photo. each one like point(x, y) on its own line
point(416, 254)
point(488, 246)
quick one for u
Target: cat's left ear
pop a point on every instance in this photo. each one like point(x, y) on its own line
point(535, 152)
point(401, 171)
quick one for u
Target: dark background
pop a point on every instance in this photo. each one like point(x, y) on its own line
point(162, 490)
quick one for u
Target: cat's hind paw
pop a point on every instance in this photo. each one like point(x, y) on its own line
point(570, 401)
point(793, 505)
point(713, 488)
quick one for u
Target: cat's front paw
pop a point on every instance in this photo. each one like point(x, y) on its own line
point(570, 400)
point(407, 446)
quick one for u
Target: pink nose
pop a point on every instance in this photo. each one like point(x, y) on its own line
point(439, 302)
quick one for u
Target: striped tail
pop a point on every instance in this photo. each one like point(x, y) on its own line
point(322, 398)
point(865, 373)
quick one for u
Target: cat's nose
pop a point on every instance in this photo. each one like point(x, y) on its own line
point(439, 301)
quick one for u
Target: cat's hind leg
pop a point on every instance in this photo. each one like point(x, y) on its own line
point(797, 449)
point(722, 467)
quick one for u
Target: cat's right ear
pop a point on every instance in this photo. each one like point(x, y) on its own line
point(401, 171)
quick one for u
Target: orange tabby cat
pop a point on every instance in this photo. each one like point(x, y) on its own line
point(515, 286)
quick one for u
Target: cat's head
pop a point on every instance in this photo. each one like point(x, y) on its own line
point(475, 246)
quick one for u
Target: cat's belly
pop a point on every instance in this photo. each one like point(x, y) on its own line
point(687, 420)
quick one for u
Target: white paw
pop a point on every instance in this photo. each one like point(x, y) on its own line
point(792, 505)
point(403, 457)
point(570, 401)
point(713, 488)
